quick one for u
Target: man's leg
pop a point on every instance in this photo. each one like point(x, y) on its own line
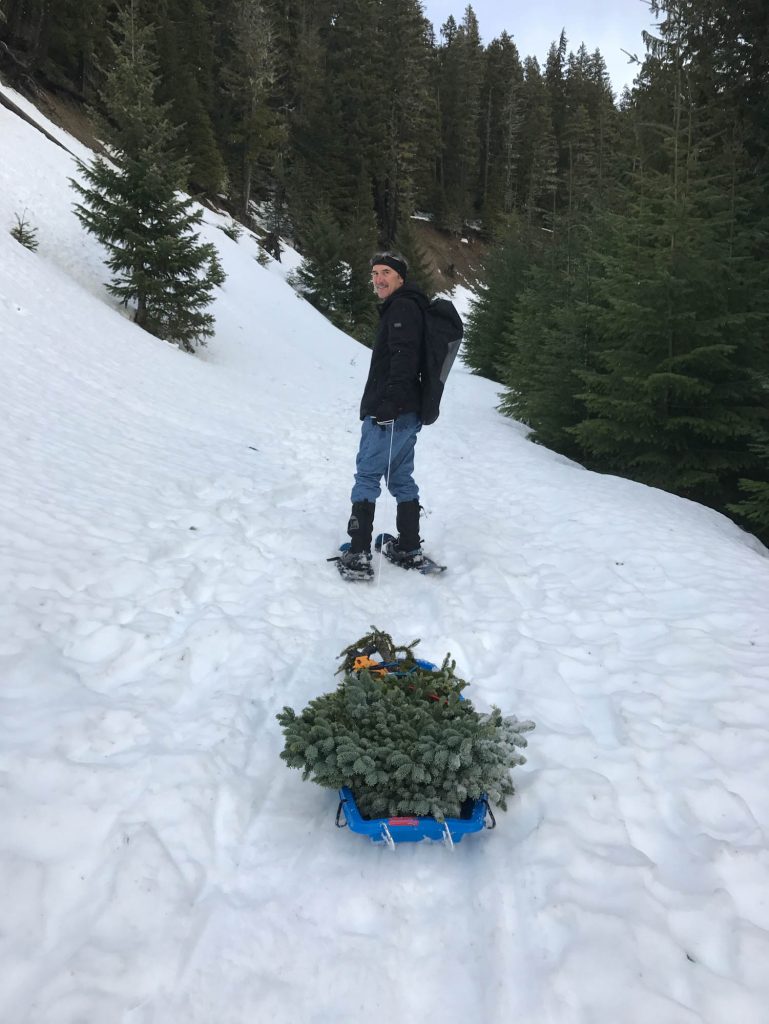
point(360, 526)
point(371, 461)
point(370, 466)
point(403, 485)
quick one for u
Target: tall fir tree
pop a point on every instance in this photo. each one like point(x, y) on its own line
point(681, 305)
point(460, 83)
point(501, 121)
point(132, 205)
point(360, 245)
point(407, 121)
point(324, 274)
point(420, 267)
point(547, 339)
point(253, 130)
point(539, 166)
point(485, 345)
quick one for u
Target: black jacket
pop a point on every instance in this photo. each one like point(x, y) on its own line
point(393, 376)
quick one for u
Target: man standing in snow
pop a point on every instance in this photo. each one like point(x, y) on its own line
point(390, 410)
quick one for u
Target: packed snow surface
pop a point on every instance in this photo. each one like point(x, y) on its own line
point(165, 521)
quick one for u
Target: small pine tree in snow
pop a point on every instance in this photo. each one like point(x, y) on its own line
point(406, 743)
point(131, 203)
point(24, 233)
point(324, 275)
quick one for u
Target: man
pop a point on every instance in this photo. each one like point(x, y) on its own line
point(390, 410)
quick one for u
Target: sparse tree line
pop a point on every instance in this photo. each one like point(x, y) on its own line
point(627, 296)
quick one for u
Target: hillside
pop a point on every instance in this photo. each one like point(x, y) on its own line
point(452, 260)
point(164, 527)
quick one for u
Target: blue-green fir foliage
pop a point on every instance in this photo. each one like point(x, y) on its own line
point(405, 744)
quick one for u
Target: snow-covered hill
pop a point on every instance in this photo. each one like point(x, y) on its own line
point(164, 525)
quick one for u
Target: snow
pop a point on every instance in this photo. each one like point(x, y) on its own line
point(164, 525)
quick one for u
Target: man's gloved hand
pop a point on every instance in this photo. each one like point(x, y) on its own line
point(386, 413)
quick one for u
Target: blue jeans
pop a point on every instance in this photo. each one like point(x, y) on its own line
point(374, 453)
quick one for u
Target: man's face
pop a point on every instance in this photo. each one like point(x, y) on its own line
point(385, 280)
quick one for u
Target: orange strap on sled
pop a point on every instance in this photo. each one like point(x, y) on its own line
point(363, 661)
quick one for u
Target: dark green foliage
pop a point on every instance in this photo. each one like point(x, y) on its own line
point(673, 402)
point(360, 244)
point(677, 397)
point(460, 80)
point(131, 203)
point(24, 233)
point(501, 121)
point(420, 271)
point(250, 128)
point(324, 275)
point(486, 345)
point(549, 339)
point(753, 509)
point(232, 230)
point(404, 744)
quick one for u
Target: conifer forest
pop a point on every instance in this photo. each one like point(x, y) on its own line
point(625, 306)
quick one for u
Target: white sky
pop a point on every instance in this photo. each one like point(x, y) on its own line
point(611, 28)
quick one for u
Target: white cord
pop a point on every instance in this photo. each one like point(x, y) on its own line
point(387, 486)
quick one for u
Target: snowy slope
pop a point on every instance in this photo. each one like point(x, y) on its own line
point(164, 524)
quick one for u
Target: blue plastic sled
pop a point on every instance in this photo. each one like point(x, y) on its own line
point(407, 828)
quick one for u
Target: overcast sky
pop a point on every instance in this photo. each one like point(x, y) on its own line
point(610, 26)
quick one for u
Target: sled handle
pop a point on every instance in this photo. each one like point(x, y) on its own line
point(339, 814)
point(387, 837)
point(489, 814)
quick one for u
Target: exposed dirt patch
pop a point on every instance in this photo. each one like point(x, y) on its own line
point(69, 115)
point(455, 260)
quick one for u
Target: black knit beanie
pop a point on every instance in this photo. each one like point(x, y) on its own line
point(393, 260)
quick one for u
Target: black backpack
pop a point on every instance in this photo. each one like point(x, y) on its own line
point(443, 336)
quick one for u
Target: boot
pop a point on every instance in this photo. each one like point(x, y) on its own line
point(361, 526)
point(407, 523)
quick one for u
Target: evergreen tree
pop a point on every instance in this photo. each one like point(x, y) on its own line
point(539, 165)
point(501, 121)
point(547, 341)
point(185, 49)
point(754, 506)
point(324, 274)
point(76, 45)
point(677, 399)
point(407, 120)
point(131, 203)
point(420, 267)
point(253, 129)
point(318, 169)
point(485, 345)
point(360, 244)
point(24, 233)
point(461, 75)
point(25, 29)
point(555, 85)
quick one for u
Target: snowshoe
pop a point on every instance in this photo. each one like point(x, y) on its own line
point(417, 560)
point(354, 566)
